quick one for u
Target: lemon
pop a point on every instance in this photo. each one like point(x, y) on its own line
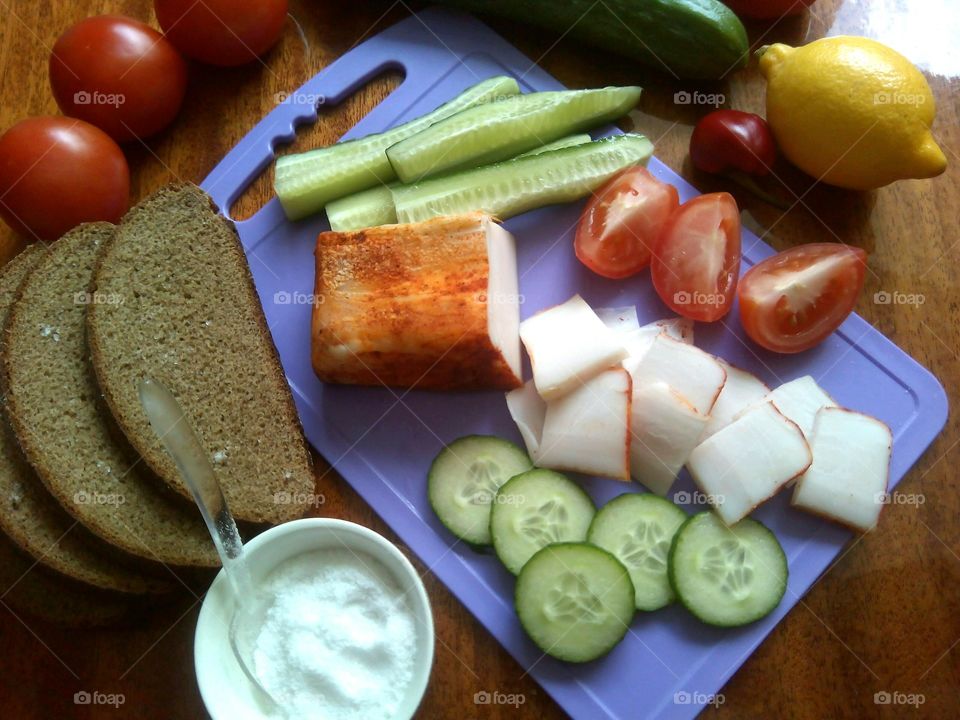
point(851, 112)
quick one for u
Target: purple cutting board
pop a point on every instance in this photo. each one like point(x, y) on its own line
point(382, 441)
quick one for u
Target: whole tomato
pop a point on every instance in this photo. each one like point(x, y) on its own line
point(767, 9)
point(222, 32)
point(733, 140)
point(58, 172)
point(118, 74)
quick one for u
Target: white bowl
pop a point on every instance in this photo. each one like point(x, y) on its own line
point(225, 689)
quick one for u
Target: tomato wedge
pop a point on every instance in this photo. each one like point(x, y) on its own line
point(620, 225)
point(795, 299)
point(697, 258)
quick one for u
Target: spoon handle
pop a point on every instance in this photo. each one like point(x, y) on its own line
point(177, 435)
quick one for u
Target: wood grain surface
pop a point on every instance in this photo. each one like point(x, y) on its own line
point(884, 619)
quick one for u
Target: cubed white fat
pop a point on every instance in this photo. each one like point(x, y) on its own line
point(528, 411)
point(850, 470)
point(588, 429)
point(664, 430)
point(503, 294)
point(748, 461)
point(694, 374)
point(801, 400)
point(741, 390)
point(568, 345)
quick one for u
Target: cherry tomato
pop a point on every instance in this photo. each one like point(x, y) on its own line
point(733, 140)
point(767, 9)
point(119, 75)
point(696, 261)
point(795, 299)
point(621, 223)
point(222, 32)
point(58, 172)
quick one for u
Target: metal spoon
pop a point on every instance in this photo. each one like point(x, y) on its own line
point(177, 435)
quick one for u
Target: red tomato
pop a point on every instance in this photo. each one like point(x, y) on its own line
point(697, 258)
point(795, 299)
point(767, 9)
point(733, 140)
point(58, 172)
point(118, 74)
point(621, 223)
point(222, 32)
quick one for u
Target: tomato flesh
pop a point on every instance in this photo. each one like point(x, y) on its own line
point(794, 300)
point(696, 262)
point(620, 225)
point(118, 74)
point(58, 172)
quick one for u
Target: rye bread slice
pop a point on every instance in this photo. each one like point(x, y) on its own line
point(191, 319)
point(57, 415)
point(29, 515)
point(31, 589)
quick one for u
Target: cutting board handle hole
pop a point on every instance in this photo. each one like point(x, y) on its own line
point(333, 121)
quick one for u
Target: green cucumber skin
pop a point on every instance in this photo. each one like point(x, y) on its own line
point(680, 597)
point(446, 195)
point(367, 208)
point(695, 39)
point(432, 478)
point(304, 184)
point(373, 207)
point(564, 142)
point(508, 487)
point(498, 131)
point(628, 498)
point(552, 651)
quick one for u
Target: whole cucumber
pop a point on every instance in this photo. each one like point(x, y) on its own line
point(687, 38)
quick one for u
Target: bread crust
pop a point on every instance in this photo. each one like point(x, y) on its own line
point(29, 515)
point(244, 504)
point(185, 545)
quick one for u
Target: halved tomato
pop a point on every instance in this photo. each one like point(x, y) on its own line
point(621, 223)
point(795, 299)
point(696, 261)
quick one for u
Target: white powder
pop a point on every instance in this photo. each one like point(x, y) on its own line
point(338, 640)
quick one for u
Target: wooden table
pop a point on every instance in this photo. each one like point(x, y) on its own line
point(884, 618)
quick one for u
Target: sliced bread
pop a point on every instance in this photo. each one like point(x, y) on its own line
point(28, 513)
point(191, 319)
point(56, 412)
point(28, 588)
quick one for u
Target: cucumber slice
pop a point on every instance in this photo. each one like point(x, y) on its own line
point(307, 181)
point(463, 482)
point(535, 509)
point(368, 208)
point(575, 601)
point(727, 576)
point(504, 129)
point(638, 529)
point(515, 186)
point(565, 142)
point(374, 207)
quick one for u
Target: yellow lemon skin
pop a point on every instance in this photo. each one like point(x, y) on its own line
point(851, 112)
